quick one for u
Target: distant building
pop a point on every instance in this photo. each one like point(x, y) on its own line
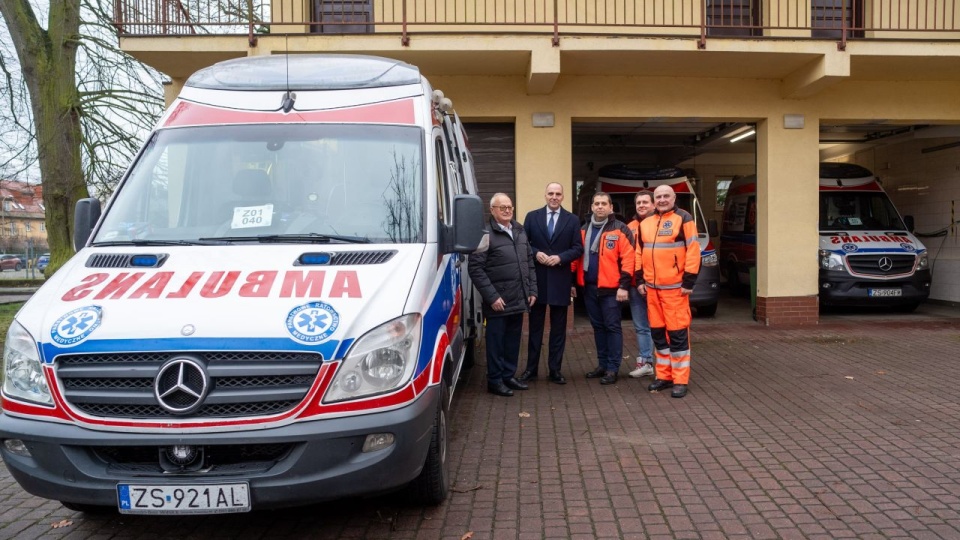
point(22, 218)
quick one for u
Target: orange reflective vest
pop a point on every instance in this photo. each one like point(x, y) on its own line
point(617, 258)
point(670, 250)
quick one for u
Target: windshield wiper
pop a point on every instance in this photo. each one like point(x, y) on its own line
point(141, 242)
point(309, 238)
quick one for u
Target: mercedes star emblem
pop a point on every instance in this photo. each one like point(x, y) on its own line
point(181, 385)
point(885, 263)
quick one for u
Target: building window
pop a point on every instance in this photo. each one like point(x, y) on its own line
point(13, 228)
point(827, 18)
point(342, 17)
point(733, 17)
point(43, 227)
point(723, 184)
point(27, 227)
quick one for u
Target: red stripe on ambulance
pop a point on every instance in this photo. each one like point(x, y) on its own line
point(186, 113)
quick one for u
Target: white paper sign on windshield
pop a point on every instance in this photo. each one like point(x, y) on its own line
point(245, 217)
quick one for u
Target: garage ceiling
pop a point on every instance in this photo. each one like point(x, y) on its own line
point(673, 141)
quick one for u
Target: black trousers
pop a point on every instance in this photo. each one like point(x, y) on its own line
point(558, 337)
point(503, 346)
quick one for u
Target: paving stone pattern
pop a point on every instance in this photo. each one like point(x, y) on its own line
point(845, 430)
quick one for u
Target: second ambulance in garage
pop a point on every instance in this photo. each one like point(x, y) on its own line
point(868, 253)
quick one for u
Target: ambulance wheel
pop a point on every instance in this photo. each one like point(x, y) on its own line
point(707, 311)
point(88, 508)
point(433, 484)
point(733, 280)
point(908, 308)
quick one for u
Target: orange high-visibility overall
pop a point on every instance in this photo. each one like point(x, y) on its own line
point(669, 260)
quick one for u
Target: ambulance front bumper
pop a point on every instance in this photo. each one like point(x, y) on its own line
point(842, 289)
point(314, 461)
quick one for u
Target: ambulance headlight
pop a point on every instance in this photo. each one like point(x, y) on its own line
point(709, 260)
point(381, 361)
point(22, 372)
point(830, 261)
point(922, 261)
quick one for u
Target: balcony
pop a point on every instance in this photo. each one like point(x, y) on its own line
point(840, 20)
point(803, 43)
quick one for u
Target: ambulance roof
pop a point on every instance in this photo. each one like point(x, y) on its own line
point(305, 72)
point(624, 171)
point(843, 171)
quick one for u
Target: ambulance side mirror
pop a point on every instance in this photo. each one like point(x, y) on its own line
point(467, 223)
point(908, 221)
point(85, 216)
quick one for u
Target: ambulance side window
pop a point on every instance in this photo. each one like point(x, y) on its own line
point(444, 193)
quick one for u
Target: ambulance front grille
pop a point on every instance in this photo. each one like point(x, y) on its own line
point(241, 384)
point(881, 265)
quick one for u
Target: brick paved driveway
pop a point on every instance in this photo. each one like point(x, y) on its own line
point(846, 430)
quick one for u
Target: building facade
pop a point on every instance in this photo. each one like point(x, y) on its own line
point(23, 228)
point(555, 89)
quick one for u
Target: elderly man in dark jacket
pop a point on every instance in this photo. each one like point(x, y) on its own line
point(505, 276)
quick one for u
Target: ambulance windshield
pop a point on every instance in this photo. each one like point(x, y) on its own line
point(858, 211)
point(294, 180)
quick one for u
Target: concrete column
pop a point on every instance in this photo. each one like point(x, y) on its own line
point(543, 154)
point(787, 236)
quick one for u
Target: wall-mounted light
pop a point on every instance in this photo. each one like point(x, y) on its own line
point(543, 119)
point(743, 135)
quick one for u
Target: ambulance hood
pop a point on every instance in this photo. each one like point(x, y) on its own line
point(239, 297)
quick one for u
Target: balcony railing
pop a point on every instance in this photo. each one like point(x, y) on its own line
point(840, 20)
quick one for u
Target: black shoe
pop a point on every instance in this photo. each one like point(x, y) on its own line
point(659, 385)
point(609, 377)
point(499, 389)
point(679, 391)
point(512, 382)
point(556, 377)
point(527, 376)
point(597, 373)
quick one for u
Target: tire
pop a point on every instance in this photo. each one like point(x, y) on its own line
point(733, 280)
point(18, 268)
point(907, 308)
point(433, 485)
point(707, 311)
point(88, 508)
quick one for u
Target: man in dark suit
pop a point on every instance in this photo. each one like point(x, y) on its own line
point(555, 239)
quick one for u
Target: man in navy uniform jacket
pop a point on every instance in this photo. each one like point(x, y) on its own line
point(554, 236)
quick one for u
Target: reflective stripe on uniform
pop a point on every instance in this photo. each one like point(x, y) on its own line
point(663, 245)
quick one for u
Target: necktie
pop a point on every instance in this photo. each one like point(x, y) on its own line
point(550, 223)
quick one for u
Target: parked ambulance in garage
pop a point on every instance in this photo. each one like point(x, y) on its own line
point(272, 309)
point(868, 254)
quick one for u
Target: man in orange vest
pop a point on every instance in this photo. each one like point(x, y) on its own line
point(670, 262)
point(605, 272)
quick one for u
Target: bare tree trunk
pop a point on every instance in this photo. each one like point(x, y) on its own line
point(48, 60)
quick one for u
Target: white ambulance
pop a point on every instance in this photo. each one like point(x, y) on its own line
point(868, 254)
point(272, 309)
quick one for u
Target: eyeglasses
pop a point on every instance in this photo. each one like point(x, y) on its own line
point(504, 208)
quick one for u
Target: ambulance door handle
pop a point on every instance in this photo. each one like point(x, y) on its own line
point(460, 259)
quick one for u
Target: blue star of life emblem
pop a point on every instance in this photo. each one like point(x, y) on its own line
point(849, 248)
point(76, 325)
point(907, 247)
point(313, 322)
